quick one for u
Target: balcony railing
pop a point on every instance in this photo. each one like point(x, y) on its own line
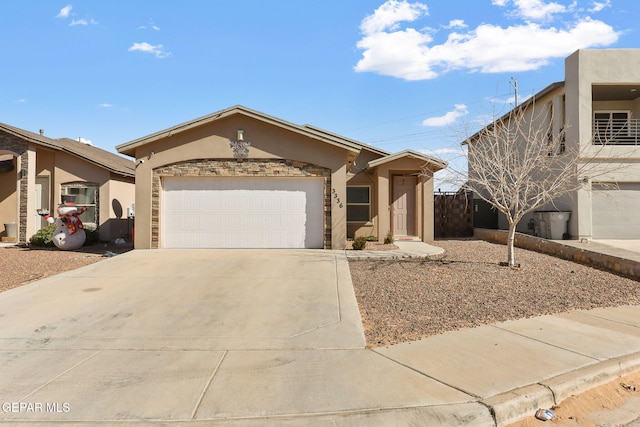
point(616, 132)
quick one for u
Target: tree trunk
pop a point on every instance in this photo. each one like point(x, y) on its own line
point(511, 239)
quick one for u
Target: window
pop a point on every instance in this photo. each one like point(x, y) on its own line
point(610, 127)
point(86, 195)
point(358, 203)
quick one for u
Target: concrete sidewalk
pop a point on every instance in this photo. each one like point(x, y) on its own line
point(189, 338)
point(406, 249)
point(625, 249)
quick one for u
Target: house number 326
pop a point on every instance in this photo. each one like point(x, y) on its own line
point(336, 198)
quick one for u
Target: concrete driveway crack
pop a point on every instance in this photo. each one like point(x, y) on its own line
point(206, 386)
point(61, 374)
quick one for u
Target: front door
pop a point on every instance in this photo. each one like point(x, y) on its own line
point(42, 200)
point(404, 205)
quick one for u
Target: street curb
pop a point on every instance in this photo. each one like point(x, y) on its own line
point(519, 403)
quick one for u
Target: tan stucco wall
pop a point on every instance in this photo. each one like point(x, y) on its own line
point(583, 69)
point(424, 196)
point(116, 196)
point(211, 141)
point(8, 198)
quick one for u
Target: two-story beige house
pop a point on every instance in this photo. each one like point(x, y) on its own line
point(239, 178)
point(598, 106)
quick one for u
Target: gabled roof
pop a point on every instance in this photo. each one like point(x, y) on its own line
point(439, 164)
point(129, 148)
point(353, 141)
point(102, 158)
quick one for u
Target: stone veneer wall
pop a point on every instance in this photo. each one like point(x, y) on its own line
point(620, 266)
point(239, 167)
point(19, 147)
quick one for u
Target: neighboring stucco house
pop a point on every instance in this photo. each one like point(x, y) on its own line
point(35, 171)
point(239, 178)
point(598, 105)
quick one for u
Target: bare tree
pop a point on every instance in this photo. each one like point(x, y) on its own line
point(519, 164)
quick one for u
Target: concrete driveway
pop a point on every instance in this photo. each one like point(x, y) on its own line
point(187, 336)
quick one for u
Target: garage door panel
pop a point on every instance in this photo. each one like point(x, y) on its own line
point(616, 211)
point(243, 212)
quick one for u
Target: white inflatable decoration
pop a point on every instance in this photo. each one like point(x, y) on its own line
point(69, 234)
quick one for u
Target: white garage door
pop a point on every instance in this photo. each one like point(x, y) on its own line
point(616, 211)
point(243, 212)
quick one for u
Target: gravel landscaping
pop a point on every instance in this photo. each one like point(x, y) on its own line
point(406, 300)
point(20, 265)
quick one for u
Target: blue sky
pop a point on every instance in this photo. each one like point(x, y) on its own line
point(395, 74)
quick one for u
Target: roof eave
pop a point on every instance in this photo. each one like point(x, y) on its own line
point(129, 147)
point(28, 136)
point(439, 164)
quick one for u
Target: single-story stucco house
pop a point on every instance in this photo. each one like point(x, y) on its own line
point(35, 171)
point(239, 178)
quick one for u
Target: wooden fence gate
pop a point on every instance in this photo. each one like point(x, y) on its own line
point(453, 215)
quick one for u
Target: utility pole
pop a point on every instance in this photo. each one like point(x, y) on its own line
point(514, 84)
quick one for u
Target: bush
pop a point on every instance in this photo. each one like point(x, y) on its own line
point(43, 237)
point(389, 239)
point(359, 243)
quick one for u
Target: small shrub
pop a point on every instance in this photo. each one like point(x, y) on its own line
point(371, 238)
point(43, 237)
point(389, 239)
point(359, 243)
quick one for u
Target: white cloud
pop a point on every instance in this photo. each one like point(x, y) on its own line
point(65, 11)
point(400, 54)
point(21, 101)
point(456, 23)
point(410, 54)
point(387, 16)
point(537, 10)
point(82, 22)
point(150, 26)
point(447, 119)
point(85, 141)
point(105, 105)
point(156, 50)
point(598, 6)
